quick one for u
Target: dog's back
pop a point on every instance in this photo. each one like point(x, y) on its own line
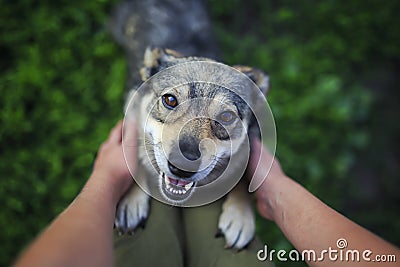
point(181, 25)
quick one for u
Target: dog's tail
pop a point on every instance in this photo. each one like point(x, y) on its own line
point(181, 25)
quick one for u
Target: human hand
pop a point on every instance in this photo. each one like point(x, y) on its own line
point(110, 171)
point(271, 175)
point(82, 234)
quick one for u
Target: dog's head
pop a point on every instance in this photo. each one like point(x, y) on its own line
point(193, 128)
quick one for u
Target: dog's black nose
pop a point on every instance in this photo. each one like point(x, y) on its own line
point(189, 146)
point(179, 172)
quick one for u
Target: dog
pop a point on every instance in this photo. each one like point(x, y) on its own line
point(157, 36)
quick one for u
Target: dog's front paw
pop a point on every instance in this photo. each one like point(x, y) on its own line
point(236, 223)
point(132, 211)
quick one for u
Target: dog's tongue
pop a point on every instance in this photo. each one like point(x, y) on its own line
point(177, 182)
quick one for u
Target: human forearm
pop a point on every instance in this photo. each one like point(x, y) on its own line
point(312, 225)
point(306, 221)
point(80, 236)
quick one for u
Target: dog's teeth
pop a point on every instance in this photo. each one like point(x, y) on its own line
point(189, 185)
point(169, 186)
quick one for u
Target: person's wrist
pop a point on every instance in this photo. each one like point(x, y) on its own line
point(268, 195)
point(95, 192)
point(108, 183)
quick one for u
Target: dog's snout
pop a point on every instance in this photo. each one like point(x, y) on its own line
point(178, 172)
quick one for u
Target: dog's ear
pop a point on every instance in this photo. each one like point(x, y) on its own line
point(156, 59)
point(259, 77)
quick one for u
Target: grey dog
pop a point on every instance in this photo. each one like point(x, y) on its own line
point(157, 35)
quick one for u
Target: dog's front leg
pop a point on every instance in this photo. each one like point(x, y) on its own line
point(237, 222)
point(132, 210)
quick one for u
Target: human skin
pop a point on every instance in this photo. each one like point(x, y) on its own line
point(82, 235)
point(306, 221)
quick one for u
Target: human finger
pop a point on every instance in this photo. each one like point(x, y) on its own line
point(259, 164)
point(130, 144)
point(116, 133)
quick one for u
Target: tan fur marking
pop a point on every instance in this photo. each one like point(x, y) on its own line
point(261, 79)
point(130, 27)
point(150, 57)
point(173, 53)
point(242, 68)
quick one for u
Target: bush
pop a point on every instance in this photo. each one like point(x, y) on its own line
point(62, 80)
point(327, 61)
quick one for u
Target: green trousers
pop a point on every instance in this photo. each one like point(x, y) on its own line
point(182, 237)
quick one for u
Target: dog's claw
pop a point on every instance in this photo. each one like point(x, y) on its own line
point(142, 223)
point(219, 233)
point(132, 212)
point(237, 223)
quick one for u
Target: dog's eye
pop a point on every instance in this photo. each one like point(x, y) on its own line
point(226, 117)
point(169, 101)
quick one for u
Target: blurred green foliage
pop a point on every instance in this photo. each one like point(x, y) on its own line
point(62, 85)
point(332, 66)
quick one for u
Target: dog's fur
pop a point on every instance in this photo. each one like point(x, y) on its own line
point(141, 24)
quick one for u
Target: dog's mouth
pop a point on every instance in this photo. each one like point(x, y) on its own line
point(176, 190)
